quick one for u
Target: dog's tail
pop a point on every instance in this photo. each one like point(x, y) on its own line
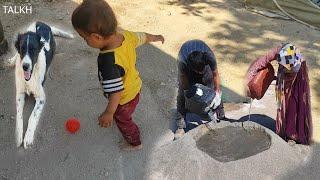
point(61, 33)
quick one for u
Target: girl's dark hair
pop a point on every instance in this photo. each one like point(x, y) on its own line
point(95, 16)
point(197, 60)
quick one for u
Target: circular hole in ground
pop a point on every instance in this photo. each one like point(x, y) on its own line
point(233, 143)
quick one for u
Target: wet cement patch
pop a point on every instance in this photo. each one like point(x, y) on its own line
point(233, 143)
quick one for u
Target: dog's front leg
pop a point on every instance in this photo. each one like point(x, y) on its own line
point(20, 99)
point(34, 119)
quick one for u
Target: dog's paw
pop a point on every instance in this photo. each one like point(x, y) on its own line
point(19, 140)
point(28, 140)
point(19, 137)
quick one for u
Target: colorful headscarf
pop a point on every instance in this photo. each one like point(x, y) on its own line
point(290, 57)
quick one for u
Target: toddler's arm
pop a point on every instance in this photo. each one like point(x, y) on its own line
point(154, 38)
point(143, 38)
point(106, 118)
point(113, 103)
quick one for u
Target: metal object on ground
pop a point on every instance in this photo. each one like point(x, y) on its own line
point(198, 101)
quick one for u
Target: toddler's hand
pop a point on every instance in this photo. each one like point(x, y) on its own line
point(160, 38)
point(105, 119)
point(155, 38)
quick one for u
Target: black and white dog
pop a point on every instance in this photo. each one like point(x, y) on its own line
point(36, 47)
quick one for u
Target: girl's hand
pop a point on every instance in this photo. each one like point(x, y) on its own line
point(105, 119)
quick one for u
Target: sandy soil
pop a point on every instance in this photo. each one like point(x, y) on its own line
point(236, 36)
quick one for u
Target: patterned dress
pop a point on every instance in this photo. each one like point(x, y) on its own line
point(293, 120)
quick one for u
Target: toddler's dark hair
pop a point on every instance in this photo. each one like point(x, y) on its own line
point(95, 16)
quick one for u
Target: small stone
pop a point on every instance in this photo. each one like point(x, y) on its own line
point(162, 83)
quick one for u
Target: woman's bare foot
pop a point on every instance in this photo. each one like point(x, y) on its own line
point(291, 142)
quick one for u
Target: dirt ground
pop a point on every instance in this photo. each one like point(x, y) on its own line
point(236, 35)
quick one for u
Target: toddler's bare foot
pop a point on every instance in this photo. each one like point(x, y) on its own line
point(128, 147)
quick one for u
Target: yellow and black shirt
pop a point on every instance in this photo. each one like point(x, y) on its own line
point(117, 67)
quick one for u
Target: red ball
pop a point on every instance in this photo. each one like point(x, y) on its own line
point(72, 125)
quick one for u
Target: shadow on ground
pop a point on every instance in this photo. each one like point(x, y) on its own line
point(196, 7)
point(245, 34)
point(261, 119)
point(242, 36)
point(230, 96)
point(92, 152)
point(74, 91)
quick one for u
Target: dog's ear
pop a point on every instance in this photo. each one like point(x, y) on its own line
point(41, 41)
point(17, 42)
